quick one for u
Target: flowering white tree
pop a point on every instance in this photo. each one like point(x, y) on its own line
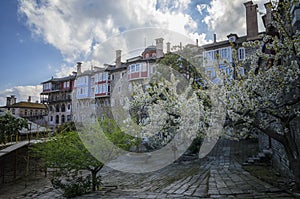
point(171, 105)
point(267, 98)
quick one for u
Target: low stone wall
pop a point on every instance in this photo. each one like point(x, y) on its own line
point(279, 157)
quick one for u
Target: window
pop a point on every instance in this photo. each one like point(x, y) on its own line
point(69, 106)
point(66, 84)
point(57, 108)
point(68, 118)
point(63, 108)
point(104, 76)
point(209, 55)
point(241, 53)
point(57, 119)
point(51, 118)
point(13, 111)
point(224, 53)
point(63, 119)
point(138, 67)
point(242, 71)
point(135, 68)
point(132, 68)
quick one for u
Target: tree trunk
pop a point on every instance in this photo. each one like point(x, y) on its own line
point(94, 179)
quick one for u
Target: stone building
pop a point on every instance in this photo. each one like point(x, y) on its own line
point(32, 111)
point(220, 53)
point(57, 94)
point(94, 87)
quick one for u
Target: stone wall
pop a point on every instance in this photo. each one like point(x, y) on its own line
point(279, 157)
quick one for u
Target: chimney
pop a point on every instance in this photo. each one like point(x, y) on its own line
point(159, 47)
point(13, 99)
point(29, 99)
point(251, 20)
point(118, 58)
point(197, 43)
point(215, 38)
point(268, 16)
point(168, 47)
point(79, 68)
point(8, 101)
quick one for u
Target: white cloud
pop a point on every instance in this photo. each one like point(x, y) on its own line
point(65, 71)
point(21, 93)
point(77, 28)
point(226, 17)
point(201, 7)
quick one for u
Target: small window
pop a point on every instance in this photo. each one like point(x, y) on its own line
point(63, 119)
point(51, 118)
point(132, 68)
point(57, 108)
point(138, 67)
point(63, 108)
point(241, 54)
point(57, 119)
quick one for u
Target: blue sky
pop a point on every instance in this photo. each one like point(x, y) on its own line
point(41, 39)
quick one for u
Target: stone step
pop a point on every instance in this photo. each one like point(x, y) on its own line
point(261, 155)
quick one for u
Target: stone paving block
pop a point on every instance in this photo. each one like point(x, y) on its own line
point(225, 191)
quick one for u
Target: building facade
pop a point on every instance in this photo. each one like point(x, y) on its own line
point(220, 55)
point(32, 111)
point(93, 88)
point(57, 94)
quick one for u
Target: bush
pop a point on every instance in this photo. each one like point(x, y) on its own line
point(73, 185)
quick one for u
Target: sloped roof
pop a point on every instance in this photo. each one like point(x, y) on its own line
point(61, 79)
point(27, 105)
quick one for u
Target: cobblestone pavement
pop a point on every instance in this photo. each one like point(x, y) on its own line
point(218, 176)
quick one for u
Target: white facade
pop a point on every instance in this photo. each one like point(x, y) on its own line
point(83, 85)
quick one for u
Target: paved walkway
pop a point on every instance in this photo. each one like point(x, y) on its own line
point(218, 176)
